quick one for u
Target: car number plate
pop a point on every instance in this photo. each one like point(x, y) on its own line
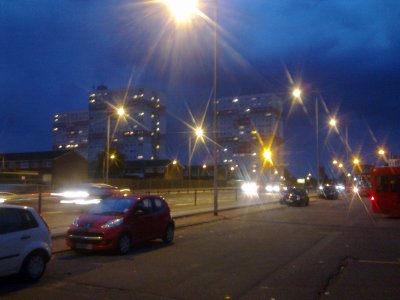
point(83, 246)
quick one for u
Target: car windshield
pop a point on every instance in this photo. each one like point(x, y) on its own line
point(114, 206)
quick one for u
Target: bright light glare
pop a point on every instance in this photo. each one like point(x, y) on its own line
point(340, 187)
point(72, 194)
point(267, 154)
point(272, 188)
point(356, 161)
point(249, 188)
point(332, 122)
point(182, 10)
point(199, 132)
point(381, 152)
point(81, 201)
point(296, 93)
point(355, 190)
point(2, 200)
point(121, 111)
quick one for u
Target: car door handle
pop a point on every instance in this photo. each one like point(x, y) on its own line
point(25, 237)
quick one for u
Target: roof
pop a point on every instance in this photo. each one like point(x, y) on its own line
point(35, 155)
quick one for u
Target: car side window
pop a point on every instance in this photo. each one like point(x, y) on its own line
point(13, 220)
point(158, 204)
point(145, 206)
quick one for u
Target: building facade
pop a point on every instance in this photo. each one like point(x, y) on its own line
point(70, 131)
point(249, 125)
point(139, 134)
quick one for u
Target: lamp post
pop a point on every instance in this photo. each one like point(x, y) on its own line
point(215, 107)
point(199, 134)
point(120, 112)
point(183, 10)
point(296, 93)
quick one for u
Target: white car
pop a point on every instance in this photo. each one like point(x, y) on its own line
point(25, 242)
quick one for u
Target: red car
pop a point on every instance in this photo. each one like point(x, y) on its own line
point(121, 220)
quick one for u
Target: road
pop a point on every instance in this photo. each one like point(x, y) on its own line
point(58, 216)
point(329, 250)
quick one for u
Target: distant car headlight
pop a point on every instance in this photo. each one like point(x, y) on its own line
point(276, 188)
point(269, 188)
point(340, 187)
point(355, 189)
point(113, 223)
point(249, 188)
point(2, 200)
point(321, 187)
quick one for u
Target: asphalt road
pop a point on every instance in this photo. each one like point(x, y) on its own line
point(329, 250)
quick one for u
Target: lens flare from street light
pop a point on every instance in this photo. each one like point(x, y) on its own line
point(199, 132)
point(332, 122)
point(296, 93)
point(356, 161)
point(121, 111)
point(381, 152)
point(174, 162)
point(182, 10)
point(267, 155)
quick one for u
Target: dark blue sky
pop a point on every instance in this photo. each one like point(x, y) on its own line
point(53, 52)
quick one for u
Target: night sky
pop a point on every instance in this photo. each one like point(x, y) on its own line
point(343, 52)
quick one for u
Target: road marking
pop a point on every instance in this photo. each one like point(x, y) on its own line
point(183, 204)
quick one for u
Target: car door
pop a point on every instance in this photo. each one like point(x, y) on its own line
point(15, 233)
point(140, 221)
point(159, 217)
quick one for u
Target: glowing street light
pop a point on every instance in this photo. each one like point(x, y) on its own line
point(120, 112)
point(381, 152)
point(199, 132)
point(174, 162)
point(182, 10)
point(356, 161)
point(267, 155)
point(332, 122)
point(340, 165)
point(296, 93)
point(335, 162)
point(112, 156)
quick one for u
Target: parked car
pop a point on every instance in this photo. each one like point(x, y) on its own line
point(86, 193)
point(295, 197)
point(119, 221)
point(329, 192)
point(25, 242)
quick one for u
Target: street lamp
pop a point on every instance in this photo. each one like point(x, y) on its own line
point(199, 135)
point(184, 10)
point(297, 94)
point(381, 152)
point(120, 112)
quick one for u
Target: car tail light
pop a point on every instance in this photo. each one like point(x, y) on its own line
point(372, 198)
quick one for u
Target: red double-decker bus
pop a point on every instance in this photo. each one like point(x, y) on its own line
point(385, 190)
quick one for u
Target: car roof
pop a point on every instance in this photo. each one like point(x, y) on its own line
point(16, 206)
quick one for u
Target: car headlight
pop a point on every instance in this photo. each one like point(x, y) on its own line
point(72, 194)
point(276, 188)
point(113, 223)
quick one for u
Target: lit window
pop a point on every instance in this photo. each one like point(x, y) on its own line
point(241, 132)
point(140, 157)
point(158, 100)
point(235, 138)
point(158, 129)
point(158, 147)
point(56, 116)
point(134, 97)
point(247, 110)
point(225, 149)
point(92, 101)
point(158, 105)
point(55, 129)
point(225, 160)
point(55, 120)
point(254, 154)
point(140, 138)
point(93, 95)
point(60, 147)
point(158, 123)
point(141, 114)
point(235, 100)
point(142, 95)
point(152, 116)
point(254, 131)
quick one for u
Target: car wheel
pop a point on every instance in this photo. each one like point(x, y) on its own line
point(33, 266)
point(124, 244)
point(169, 234)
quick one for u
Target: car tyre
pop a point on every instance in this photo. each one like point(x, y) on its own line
point(169, 234)
point(124, 244)
point(33, 266)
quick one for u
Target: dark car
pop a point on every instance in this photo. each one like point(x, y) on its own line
point(119, 221)
point(329, 192)
point(295, 197)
